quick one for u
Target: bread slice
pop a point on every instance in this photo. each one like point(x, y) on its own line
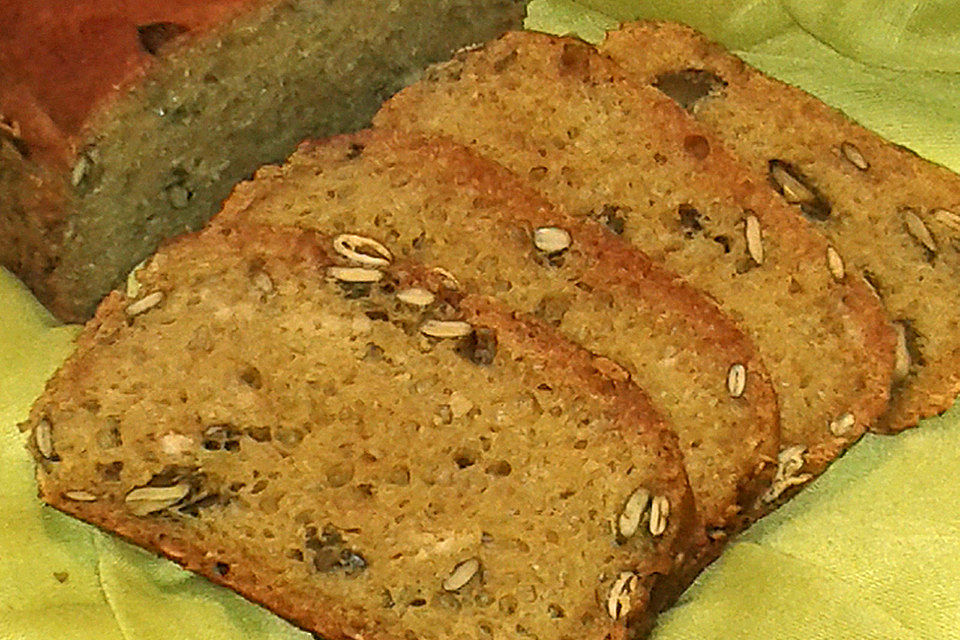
point(431, 200)
point(125, 123)
point(893, 216)
point(556, 112)
point(269, 416)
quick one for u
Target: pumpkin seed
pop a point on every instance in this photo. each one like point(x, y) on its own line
point(835, 264)
point(659, 512)
point(754, 239)
point(355, 274)
point(461, 574)
point(918, 230)
point(362, 250)
point(843, 425)
point(145, 500)
point(416, 296)
point(43, 434)
point(618, 602)
point(736, 380)
point(853, 156)
point(551, 240)
point(446, 329)
point(902, 361)
point(145, 304)
point(795, 189)
point(80, 496)
point(633, 510)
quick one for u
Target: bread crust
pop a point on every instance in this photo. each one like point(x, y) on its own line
point(561, 363)
point(66, 73)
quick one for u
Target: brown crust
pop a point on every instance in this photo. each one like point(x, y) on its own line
point(62, 69)
point(719, 172)
point(564, 363)
point(682, 47)
point(613, 266)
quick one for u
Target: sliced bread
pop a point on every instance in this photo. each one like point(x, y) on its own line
point(893, 216)
point(434, 201)
point(288, 425)
point(564, 117)
point(122, 123)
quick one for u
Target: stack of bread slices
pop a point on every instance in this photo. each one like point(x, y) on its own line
point(519, 360)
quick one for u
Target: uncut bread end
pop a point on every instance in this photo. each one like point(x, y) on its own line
point(121, 127)
point(558, 113)
point(301, 439)
point(892, 214)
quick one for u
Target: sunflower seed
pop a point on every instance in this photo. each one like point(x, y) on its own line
point(835, 264)
point(796, 190)
point(446, 329)
point(149, 499)
point(416, 296)
point(262, 281)
point(736, 380)
point(43, 434)
point(355, 274)
point(80, 496)
point(551, 239)
point(80, 170)
point(449, 280)
point(618, 602)
point(789, 462)
point(133, 285)
point(853, 156)
point(843, 425)
point(754, 239)
point(947, 218)
point(659, 512)
point(902, 361)
point(917, 229)
point(362, 250)
point(633, 510)
point(461, 574)
point(145, 304)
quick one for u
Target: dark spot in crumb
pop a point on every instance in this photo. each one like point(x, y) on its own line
point(465, 458)
point(537, 173)
point(155, 35)
point(659, 158)
point(259, 434)
point(689, 220)
point(221, 568)
point(555, 611)
point(417, 602)
point(356, 149)
point(386, 599)
point(61, 576)
point(355, 290)
point(110, 472)
point(575, 60)
point(794, 286)
point(378, 315)
point(251, 377)
point(744, 265)
point(499, 66)
point(914, 340)
point(480, 347)
point(611, 216)
point(723, 241)
point(689, 86)
point(500, 468)
point(697, 146)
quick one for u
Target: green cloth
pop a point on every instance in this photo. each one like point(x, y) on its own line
point(869, 550)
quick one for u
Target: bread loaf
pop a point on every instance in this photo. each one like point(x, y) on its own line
point(124, 123)
point(891, 214)
point(431, 200)
point(284, 422)
point(567, 119)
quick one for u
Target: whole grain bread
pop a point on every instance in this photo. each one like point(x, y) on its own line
point(894, 216)
point(124, 123)
point(434, 201)
point(556, 112)
point(280, 420)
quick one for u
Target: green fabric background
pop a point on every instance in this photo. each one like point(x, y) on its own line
point(869, 550)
